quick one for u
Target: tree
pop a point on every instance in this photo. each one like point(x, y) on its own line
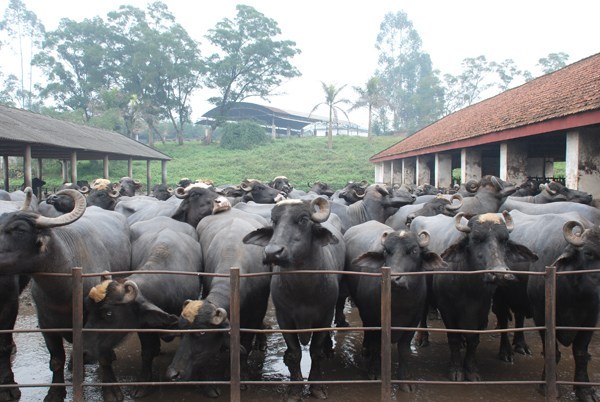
point(332, 101)
point(407, 75)
point(23, 25)
point(74, 60)
point(249, 61)
point(156, 61)
point(553, 62)
point(371, 97)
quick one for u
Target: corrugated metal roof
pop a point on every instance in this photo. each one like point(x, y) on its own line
point(573, 91)
point(51, 138)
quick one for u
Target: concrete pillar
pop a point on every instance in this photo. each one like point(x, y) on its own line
point(470, 164)
point(443, 170)
point(6, 174)
point(387, 171)
point(503, 161)
point(74, 167)
point(379, 172)
point(397, 172)
point(583, 161)
point(409, 170)
point(130, 167)
point(423, 170)
point(163, 169)
point(148, 177)
point(27, 166)
point(105, 166)
point(513, 162)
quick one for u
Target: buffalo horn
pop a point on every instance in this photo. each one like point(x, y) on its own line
point(84, 189)
point(131, 291)
point(180, 192)
point(510, 225)
point(574, 239)
point(76, 213)
point(324, 210)
point(497, 183)
point(451, 206)
point(28, 195)
point(114, 194)
point(459, 225)
point(424, 238)
point(472, 185)
point(246, 185)
point(550, 189)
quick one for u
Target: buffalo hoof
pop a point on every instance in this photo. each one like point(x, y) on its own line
point(10, 394)
point(522, 348)
point(211, 391)
point(409, 388)
point(140, 392)
point(456, 374)
point(506, 356)
point(56, 394)
point(342, 324)
point(422, 339)
point(294, 393)
point(318, 391)
point(260, 342)
point(587, 394)
point(112, 394)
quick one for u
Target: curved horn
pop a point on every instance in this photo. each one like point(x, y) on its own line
point(472, 185)
point(246, 186)
point(114, 194)
point(131, 291)
point(424, 238)
point(459, 225)
point(180, 192)
point(70, 217)
point(510, 225)
point(324, 210)
point(572, 238)
point(84, 190)
point(548, 188)
point(364, 184)
point(135, 181)
point(28, 196)
point(497, 183)
point(451, 206)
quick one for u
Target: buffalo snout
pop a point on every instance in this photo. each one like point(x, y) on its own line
point(273, 253)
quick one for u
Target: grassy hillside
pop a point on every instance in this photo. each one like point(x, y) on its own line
point(302, 160)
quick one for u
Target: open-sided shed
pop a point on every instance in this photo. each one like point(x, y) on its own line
point(34, 136)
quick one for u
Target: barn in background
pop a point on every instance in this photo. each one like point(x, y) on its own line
point(517, 134)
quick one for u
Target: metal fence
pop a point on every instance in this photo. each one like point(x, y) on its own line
point(386, 328)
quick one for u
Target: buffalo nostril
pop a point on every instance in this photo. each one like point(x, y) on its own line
point(173, 375)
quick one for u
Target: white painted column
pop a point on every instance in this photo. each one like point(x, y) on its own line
point(443, 170)
point(504, 161)
point(391, 172)
point(423, 170)
point(379, 172)
point(470, 164)
point(572, 160)
point(409, 170)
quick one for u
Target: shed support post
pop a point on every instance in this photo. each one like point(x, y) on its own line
point(582, 160)
point(273, 130)
point(130, 167)
point(409, 170)
point(470, 164)
point(27, 166)
point(40, 166)
point(105, 165)
point(443, 170)
point(5, 166)
point(513, 162)
point(73, 167)
point(163, 169)
point(64, 167)
point(148, 177)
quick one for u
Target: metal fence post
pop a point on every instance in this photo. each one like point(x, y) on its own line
point(386, 335)
point(77, 352)
point(234, 324)
point(550, 339)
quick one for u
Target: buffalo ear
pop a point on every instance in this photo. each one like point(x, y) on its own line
point(518, 255)
point(259, 237)
point(323, 236)
point(565, 259)
point(218, 317)
point(369, 261)
point(42, 243)
point(433, 262)
point(155, 317)
point(456, 253)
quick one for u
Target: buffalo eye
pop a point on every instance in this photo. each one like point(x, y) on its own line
point(303, 220)
point(107, 314)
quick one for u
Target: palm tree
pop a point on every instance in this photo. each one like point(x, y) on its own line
point(331, 101)
point(370, 96)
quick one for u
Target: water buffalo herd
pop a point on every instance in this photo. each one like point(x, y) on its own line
point(480, 240)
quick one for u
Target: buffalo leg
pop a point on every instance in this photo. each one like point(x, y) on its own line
point(316, 354)
point(582, 357)
point(519, 343)
point(456, 367)
point(150, 349)
point(9, 307)
point(340, 317)
point(471, 370)
point(403, 354)
point(54, 343)
point(110, 393)
point(503, 315)
point(291, 358)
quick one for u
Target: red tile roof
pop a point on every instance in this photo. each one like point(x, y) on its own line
point(567, 98)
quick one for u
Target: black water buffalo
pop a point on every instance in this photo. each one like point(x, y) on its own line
point(141, 207)
point(440, 204)
point(300, 239)
point(127, 186)
point(255, 190)
point(369, 246)
point(281, 183)
point(556, 192)
point(102, 194)
point(11, 287)
point(491, 193)
point(321, 188)
point(576, 297)
point(374, 206)
point(198, 201)
point(162, 192)
point(144, 300)
point(92, 238)
point(352, 192)
point(221, 237)
point(587, 211)
point(464, 301)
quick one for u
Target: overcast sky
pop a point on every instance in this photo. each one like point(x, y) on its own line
point(337, 37)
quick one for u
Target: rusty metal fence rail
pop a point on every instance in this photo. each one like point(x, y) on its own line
point(386, 329)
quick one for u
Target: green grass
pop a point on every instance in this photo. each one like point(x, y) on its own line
point(302, 160)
